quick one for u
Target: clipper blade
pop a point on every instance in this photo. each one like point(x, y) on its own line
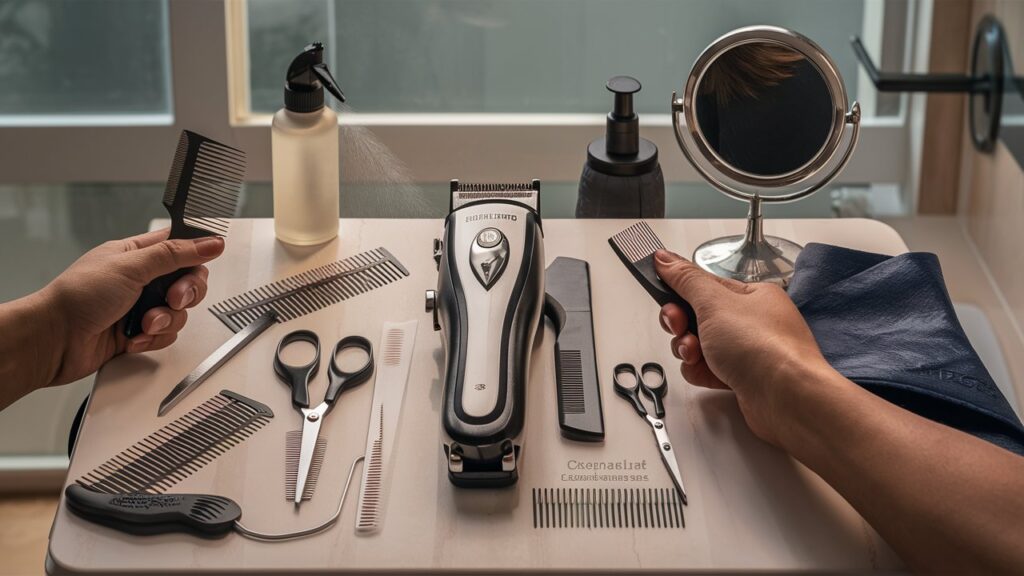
point(292, 449)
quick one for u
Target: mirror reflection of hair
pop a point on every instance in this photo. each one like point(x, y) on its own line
point(764, 108)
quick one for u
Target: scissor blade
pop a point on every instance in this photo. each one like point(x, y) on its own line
point(310, 432)
point(668, 454)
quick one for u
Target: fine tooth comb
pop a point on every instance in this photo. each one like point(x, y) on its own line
point(202, 191)
point(292, 451)
point(312, 290)
point(397, 343)
point(595, 508)
point(636, 246)
point(179, 449)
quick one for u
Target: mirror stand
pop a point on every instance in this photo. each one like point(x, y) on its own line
point(751, 257)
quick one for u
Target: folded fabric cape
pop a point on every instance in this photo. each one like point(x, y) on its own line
point(886, 323)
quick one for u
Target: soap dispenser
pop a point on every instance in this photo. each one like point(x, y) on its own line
point(622, 177)
point(304, 153)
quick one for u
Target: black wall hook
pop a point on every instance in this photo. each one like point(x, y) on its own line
point(985, 84)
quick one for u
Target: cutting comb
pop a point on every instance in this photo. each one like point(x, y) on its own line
point(636, 246)
point(292, 451)
point(180, 448)
point(388, 392)
point(201, 193)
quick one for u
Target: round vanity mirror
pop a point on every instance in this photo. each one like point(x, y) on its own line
point(763, 118)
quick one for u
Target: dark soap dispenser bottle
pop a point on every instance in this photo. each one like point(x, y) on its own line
point(622, 177)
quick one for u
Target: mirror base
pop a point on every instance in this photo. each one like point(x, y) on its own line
point(738, 258)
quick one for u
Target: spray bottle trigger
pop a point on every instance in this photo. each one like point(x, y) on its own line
point(327, 79)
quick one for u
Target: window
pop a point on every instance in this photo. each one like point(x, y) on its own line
point(62, 61)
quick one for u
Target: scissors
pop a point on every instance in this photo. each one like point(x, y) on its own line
point(298, 377)
point(655, 392)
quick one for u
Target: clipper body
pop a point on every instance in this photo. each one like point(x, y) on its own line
point(490, 293)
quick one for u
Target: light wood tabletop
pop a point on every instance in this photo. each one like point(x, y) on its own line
point(752, 508)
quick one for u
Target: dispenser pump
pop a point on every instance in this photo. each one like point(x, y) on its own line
point(306, 80)
point(622, 130)
point(622, 152)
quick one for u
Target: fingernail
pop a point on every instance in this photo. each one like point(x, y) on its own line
point(664, 322)
point(189, 297)
point(139, 344)
point(209, 246)
point(161, 321)
point(666, 256)
point(681, 350)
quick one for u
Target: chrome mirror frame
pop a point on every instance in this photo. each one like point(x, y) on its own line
point(754, 257)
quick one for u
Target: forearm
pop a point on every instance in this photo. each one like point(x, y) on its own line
point(941, 498)
point(30, 346)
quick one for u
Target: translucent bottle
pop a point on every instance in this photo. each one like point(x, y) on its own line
point(304, 151)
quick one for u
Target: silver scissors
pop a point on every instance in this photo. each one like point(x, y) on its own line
point(654, 390)
point(298, 377)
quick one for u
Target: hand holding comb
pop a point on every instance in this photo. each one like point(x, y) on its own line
point(202, 191)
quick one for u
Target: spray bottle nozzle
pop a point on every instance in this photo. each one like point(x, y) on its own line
point(307, 77)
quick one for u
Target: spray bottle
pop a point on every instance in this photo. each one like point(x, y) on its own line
point(622, 177)
point(304, 151)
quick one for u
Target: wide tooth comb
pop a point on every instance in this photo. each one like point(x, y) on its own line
point(179, 449)
point(201, 193)
point(636, 246)
point(292, 451)
point(312, 290)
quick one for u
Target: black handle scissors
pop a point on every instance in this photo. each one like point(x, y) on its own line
point(650, 383)
point(298, 377)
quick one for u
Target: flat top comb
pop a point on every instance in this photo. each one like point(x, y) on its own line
point(203, 186)
point(636, 246)
point(202, 191)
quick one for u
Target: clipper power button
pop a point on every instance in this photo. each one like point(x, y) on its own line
point(489, 237)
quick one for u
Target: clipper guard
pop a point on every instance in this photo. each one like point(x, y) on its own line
point(488, 302)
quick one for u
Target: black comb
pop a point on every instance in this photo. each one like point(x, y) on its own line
point(204, 515)
point(180, 448)
point(202, 192)
point(636, 246)
point(312, 290)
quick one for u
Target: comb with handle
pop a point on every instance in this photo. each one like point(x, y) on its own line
point(636, 246)
point(202, 191)
point(388, 392)
point(174, 452)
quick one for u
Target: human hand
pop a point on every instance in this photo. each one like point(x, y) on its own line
point(753, 341)
point(87, 302)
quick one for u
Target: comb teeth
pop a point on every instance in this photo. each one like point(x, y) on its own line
point(494, 187)
point(598, 508)
point(292, 451)
point(570, 370)
point(179, 449)
point(393, 347)
point(312, 290)
point(204, 183)
point(638, 241)
point(371, 493)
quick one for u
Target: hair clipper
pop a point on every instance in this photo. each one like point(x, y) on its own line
point(490, 292)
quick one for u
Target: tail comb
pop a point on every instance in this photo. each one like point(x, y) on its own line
point(636, 246)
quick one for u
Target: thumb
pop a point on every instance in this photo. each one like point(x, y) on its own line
point(687, 279)
point(165, 257)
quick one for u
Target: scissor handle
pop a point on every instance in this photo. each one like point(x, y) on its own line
point(629, 392)
point(342, 380)
point(298, 377)
point(656, 390)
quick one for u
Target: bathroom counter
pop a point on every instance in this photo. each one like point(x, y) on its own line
point(752, 508)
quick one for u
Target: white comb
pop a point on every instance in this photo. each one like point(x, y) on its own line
point(388, 391)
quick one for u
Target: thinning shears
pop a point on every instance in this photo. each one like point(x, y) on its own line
point(651, 383)
point(298, 377)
